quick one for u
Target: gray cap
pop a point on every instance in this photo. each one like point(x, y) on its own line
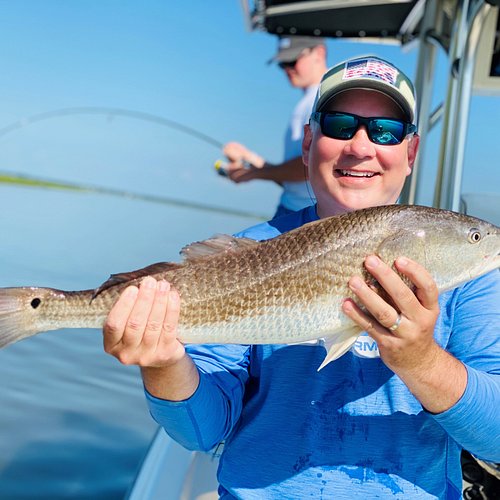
point(290, 47)
point(368, 72)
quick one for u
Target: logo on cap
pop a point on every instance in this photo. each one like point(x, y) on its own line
point(370, 68)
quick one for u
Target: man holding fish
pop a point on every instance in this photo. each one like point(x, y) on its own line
point(387, 422)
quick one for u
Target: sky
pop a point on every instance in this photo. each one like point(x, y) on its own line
point(192, 62)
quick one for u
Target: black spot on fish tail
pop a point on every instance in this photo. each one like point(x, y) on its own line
point(35, 302)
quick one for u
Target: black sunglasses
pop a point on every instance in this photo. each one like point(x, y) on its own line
point(288, 64)
point(382, 131)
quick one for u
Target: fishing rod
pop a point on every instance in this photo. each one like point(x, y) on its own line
point(129, 113)
point(32, 181)
point(102, 110)
point(19, 179)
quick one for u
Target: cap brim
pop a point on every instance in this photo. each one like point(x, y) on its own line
point(379, 86)
point(287, 55)
point(291, 54)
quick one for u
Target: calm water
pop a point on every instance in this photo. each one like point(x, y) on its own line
point(73, 421)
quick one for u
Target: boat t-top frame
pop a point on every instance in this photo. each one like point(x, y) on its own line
point(467, 31)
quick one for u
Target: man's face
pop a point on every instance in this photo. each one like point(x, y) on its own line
point(303, 73)
point(356, 173)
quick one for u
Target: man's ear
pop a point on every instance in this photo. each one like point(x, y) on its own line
point(306, 144)
point(320, 50)
point(413, 143)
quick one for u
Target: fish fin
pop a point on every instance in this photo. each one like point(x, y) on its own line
point(122, 278)
point(390, 249)
point(320, 341)
point(339, 344)
point(413, 242)
point(216, 244)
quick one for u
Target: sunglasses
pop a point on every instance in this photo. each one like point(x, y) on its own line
point(382, 131)
point(289, 64)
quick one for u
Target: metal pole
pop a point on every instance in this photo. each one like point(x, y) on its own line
point(470, 19)
point(452, 190)
point(423, 87)
point(458, 37)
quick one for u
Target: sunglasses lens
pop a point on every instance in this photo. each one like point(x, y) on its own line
point(289, 64)
point(386, 132)
point(382, 131)
point(339, 126)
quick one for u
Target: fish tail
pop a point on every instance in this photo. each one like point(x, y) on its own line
point(14, 318)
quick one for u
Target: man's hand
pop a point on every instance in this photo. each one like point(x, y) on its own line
point(243, 165)
point(141, 327)
point(238, 172)
point(237, 153)
point(240, 157)
point(435, 377)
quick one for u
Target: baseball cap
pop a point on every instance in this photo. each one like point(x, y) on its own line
point(368, 72)
point(290, 47)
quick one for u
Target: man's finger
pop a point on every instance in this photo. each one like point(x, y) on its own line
point(138, 318)
point(116, 321)
point(400, 294)
point(426, 288)
point(156, 317)
point(171, 320)
point(379, 309)
point(366, 322)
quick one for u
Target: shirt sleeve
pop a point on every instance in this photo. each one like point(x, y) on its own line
point(474, 421)
point(209, 415)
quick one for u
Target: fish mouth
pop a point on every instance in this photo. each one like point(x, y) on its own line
point(341, 172)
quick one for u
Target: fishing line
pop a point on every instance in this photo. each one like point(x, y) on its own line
point(25, 180)
point(92, 110)
point(14, 178)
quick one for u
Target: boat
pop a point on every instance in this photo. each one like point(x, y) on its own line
point(467, 32)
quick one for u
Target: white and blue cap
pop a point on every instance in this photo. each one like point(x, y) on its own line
point(372, 73)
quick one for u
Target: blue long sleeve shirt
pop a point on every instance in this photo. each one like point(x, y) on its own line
point(353, 429)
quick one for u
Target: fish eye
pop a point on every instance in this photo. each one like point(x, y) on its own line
point(35, 303)
point(474, 235)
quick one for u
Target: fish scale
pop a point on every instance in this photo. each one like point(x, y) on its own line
point(288, 289)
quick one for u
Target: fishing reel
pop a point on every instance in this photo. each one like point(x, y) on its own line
point(220, 167)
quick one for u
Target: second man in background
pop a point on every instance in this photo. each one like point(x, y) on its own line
point(303, 59)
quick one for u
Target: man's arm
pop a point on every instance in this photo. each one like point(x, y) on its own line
point(292, 170)
point(196, 396)
point(289, 171)
point(209, 415)
point(434, 377)
point(474, 421)
point(462, 399)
